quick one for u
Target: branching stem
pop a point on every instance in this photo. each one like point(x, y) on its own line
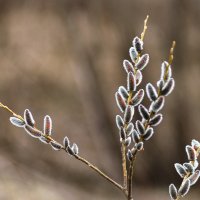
point(93, 167)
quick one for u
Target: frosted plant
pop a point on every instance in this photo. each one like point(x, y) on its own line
point(187, 171)
point(132, 134)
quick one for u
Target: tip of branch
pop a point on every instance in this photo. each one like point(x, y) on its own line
point(145, 27)
point(171, 53)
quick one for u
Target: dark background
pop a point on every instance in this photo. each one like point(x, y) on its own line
point(64, 58)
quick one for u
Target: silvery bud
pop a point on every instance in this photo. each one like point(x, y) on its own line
point(173, 192)
point(180, 170)
point(17, 122)
point(129, 155)
point(128, 114)
point(140, 146)
point(158, 104)
point(122, 133)
point(142, 62)
point(47, 125)
point(120, 101)
point(195, 144)
point(151, 92)
point(135, 136)
point(128, 141)
point(55, 145)
point(70, 151)
point(138, 97)
point(191, 153)
point(194, 177)
point(143, 112)
point(168, 87)
point(128, 66)
point(129, 129)
point(66, 142)
point(28, 117)
point(148, 134)
point(75, 149)
point(160, 84)
point(119, 121)
point(189, 167)
point(122, 90)
point(138, 44)
point(166, 71)
point(184, 189)
point(32, 131)
point(133, 54)
point(131, 82)
point(140, 127)
point(138, 77)
point(156, 120)
point(134, 151)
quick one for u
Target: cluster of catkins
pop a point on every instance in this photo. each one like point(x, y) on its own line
point(129, 99)
point(28, 123)
point(187, 171)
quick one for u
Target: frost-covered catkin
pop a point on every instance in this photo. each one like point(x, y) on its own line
point(137, 98)
point(168, 87)
point(148, 134)
point(135, 136)
point(156, 120)
point(124, 93)
point(143, 112)
point(180, 169)
point(119, 121)
point(191, 154)
point(187, 170)
point(120, 101)
point(47, 125)
point(158, 104)
point(17, 122)
point(128, 114)
point(194, 177)
point(133, 54)
point(55, 145)
point(32, 131)
point(173, 191)
point(140, 127)
point(131, 82)
point(128, 66)
point(151, 92)
point(143, 61)
point(184, 189)
point(28, 117)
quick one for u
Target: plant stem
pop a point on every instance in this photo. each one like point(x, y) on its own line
point(99, 172)
point(123, 151)
point(76, 156)
point(130, 179)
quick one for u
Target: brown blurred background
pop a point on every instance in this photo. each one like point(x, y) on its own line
point(64, 58)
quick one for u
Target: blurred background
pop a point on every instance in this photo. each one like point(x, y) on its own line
point(64, 58)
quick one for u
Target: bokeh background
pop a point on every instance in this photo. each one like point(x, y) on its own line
point(64, 58)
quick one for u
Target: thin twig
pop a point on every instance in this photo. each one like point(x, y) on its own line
point(130, 179)
point(96, 169)
point(123, 151)
point(145, 28)
point(99, 172)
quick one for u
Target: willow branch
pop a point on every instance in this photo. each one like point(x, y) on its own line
point(49, 138)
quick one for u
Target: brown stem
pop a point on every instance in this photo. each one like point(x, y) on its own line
point(99, 172)
point(76, 156)
point(130, 179)
point(123, 151)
